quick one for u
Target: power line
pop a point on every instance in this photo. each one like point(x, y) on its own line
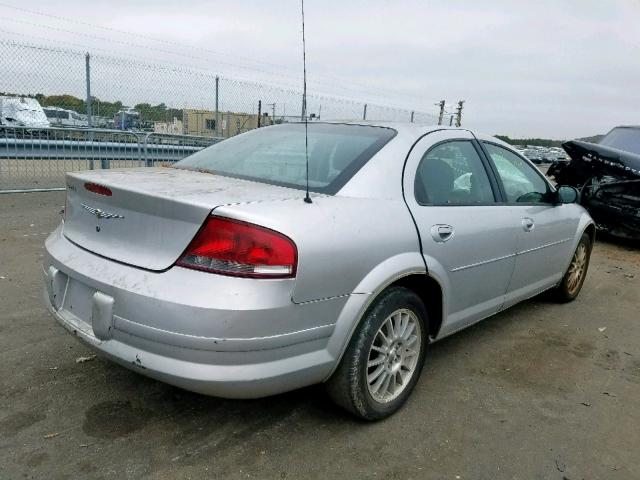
point(173, 67)
point(131, 44)
point(147, 37)
point(144, 65)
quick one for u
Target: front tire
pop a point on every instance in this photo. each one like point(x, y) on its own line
point(384, 358)
point(573, 279)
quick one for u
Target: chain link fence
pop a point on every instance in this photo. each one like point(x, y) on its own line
point(48, 90)
point(37, 159)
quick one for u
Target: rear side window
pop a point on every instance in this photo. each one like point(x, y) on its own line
point(276, 155)
point(521, 182)
point(452, 173)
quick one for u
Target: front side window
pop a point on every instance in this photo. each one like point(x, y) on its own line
point(521, 182)
point(452, 173)
point(276, 155)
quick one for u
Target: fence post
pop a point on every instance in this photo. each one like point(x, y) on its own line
point(412, 112)
point(217, 112)
point(88, 75)
point(148, 162)
point(87, 65)
point(364, 113)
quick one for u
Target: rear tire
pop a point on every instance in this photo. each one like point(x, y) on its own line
point(573, 279)
point(384, 358)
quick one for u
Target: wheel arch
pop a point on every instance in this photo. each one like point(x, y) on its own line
point(591, 231)
point(585, 225)
point(431, 294)
point(414, 277)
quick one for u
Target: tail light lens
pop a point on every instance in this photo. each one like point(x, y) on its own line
point(232, 247)
point(99, 189)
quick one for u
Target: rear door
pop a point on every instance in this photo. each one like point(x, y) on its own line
point(545, 231)
point(468, 240)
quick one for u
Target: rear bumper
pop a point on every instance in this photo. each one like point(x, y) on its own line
point(230, 381)
point(222, 336)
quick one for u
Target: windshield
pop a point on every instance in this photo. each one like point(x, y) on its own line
point(276, 155)
point(622, 138)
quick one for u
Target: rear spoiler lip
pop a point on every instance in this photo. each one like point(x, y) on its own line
point(600, 157)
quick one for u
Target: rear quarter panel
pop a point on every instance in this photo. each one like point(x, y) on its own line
point(341, 241)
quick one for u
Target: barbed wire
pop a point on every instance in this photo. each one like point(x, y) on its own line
point(163, 92)
point(360, 88)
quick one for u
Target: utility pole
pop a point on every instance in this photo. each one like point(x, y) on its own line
point(441, 104)
point(259, 111)
point(459, 113)
point(412, 112)
point(364, 113)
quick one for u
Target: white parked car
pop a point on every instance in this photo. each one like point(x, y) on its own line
point(22, 112)
point(66, 118)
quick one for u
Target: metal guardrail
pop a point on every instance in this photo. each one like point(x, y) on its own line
point(38, 159)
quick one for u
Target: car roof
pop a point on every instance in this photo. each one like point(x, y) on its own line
point(408, 128)
point(417, 129)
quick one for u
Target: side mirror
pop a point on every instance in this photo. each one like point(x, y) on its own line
point(567, 194)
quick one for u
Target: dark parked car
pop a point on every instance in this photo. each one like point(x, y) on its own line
point(608, 176)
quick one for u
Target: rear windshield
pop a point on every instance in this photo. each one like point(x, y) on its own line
point(622, 138)
point(276, 154)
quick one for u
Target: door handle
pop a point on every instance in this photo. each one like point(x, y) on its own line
point(441, 232)
point(528, 224)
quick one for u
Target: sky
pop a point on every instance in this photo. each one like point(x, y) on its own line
point(555, 69)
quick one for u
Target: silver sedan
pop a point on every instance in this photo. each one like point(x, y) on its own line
point(217, 276)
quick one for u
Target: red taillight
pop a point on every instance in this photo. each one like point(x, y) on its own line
point(99, 189)
point(231, 247)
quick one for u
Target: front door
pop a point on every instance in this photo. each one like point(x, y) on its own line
point(468, 240)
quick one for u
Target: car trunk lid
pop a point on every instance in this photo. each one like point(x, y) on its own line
point(146, 217)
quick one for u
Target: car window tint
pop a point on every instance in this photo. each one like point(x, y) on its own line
point(452, 173)
point(278, 154)
point(521, 182)
point(623, 138)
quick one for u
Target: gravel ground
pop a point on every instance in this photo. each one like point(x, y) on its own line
point(541, 391)
point(21, 173)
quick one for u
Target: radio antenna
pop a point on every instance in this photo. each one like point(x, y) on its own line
point(307, 198)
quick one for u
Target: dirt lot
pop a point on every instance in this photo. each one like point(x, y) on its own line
point(542, 391)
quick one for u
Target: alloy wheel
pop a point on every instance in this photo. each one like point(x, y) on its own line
point(577, 269)
point(393, 356)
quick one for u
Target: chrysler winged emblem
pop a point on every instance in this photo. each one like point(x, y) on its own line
point(100, 213)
